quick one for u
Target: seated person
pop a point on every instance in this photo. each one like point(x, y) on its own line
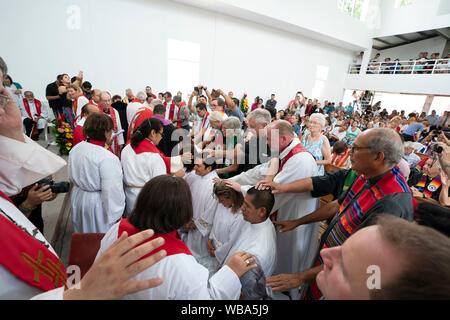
point(427, 183)
point(340, 156)
point(34, 115)
point(412, 158)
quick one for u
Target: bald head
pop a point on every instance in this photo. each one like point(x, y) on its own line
point(284, 128)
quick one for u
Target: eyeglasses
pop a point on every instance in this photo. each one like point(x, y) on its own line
point(354, 148)
point(4, 100)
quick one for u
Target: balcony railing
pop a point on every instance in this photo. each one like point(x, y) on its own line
point(404, 67)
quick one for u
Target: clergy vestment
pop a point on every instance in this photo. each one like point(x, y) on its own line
point(78, 104)
point(259, 239)
point(141, 164)
point(227, 226)
point(32, 110)
point(118, 140)
point(295, 249)
point(204, 205)
point(132, 108)
point(183, 278)
point(21, 164)
point(97, 198)
point(78, 134)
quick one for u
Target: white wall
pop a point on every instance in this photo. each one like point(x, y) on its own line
point(420, 15)
point(123, 44)
point(411, 51)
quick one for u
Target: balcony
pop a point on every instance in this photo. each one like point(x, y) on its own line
point(431, 77)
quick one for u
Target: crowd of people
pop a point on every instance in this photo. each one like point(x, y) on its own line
point(423, 64)
point(231, 197)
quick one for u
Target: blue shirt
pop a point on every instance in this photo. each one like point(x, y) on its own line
point(349, 109)
point(413, 128)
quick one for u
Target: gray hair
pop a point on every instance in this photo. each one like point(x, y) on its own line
point(141, 96)
point(260, 116)
point(3, 67)
point(215, 116)
point(387, 141)
point(319, 117)
point(102, 93)
point(232, 123)
point(177, 99)
point(155, 102)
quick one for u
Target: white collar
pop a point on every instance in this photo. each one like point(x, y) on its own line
point(291, 146)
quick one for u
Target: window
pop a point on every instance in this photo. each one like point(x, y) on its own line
point(183, 67)
point(355, 8)
point(401, 3)
point(319, 83)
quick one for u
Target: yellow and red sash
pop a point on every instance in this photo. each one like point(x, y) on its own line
point(27, 258)
point(431, 188)
point(339, 160)
point(172, 245)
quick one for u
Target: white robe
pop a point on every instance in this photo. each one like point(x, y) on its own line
point(183, 278)
point(44, 113)
point(140, 168)
point(296, 249)
point(132, 108)
point(259, 239)
point(97, 198)
point(81, 102)
point(204, 205)
point(227, 227)
point(12, 287)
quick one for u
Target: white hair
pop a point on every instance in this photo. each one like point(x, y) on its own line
point(215, 116)
point(319, 117)
point(141, 96)
point(260, 116)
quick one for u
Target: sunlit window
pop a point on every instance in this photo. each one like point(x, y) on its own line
point(355, 8)
point(183, 66)
point(401, 3)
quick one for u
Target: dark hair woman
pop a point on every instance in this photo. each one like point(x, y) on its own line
point(97, 197)
point(164, 205)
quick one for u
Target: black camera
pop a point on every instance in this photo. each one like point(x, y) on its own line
point(437, 148)
point(199, 90)
point(56, 187)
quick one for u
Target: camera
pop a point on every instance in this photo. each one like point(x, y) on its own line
point(437, 148)
point(56, 187)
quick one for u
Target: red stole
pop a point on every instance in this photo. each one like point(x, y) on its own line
point(75, 104)
point(204, 120)
point(112, 114)
point(295, 150)
point(171, 110)
point(27, 258)
point(78, 135)
point(37, 103)
point(178, 113)
point(172, 245)
point(137, 120)
point(148, 146)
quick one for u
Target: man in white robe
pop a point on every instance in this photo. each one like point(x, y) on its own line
point(296, 250)
point(33, 113)
point(118, 141)
point(134, 105)
point(204, 205)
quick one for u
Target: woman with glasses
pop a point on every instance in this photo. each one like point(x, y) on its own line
point(142, 160)
point(316, 143)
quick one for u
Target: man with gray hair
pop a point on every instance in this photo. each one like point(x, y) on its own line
point(255, 150)
point(380, 188)
point(181, 118)
point(135, 104)
point(105, 107)
point(412, 158)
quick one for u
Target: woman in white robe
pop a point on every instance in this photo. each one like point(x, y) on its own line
point(165, 204)
point(97, 197)
point(142, 160)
